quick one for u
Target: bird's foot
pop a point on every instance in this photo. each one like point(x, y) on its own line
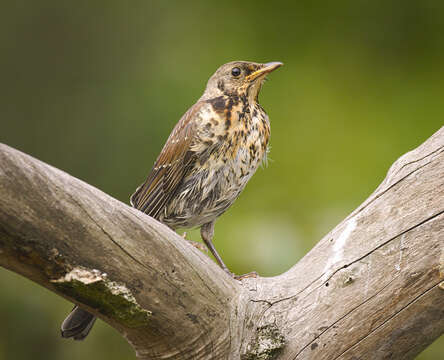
point(196, 244)
point(252, 274)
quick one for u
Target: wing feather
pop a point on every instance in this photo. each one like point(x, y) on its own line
point(170, 168)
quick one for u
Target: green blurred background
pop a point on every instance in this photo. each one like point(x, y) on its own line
point(94, 88)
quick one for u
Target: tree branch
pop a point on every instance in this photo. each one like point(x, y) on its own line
point(372, 288)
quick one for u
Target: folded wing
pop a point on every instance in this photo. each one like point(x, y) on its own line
point(172, 165)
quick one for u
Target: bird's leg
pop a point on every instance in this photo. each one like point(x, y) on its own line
point(207, 232)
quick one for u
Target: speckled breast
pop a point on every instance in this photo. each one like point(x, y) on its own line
point(231, 143)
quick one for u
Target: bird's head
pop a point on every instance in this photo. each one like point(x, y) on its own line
point(239, 78)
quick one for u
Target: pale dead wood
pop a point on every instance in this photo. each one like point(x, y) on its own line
point(370, 289)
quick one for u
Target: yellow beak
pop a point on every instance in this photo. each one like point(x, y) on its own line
point(267, 68)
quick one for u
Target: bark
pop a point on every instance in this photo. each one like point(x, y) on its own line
point(373, 288)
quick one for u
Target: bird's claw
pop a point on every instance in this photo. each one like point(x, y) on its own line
point(252, 274)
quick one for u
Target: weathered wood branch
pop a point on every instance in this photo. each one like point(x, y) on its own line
point(373, 288)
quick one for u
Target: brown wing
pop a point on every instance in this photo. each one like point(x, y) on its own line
point(170, 168)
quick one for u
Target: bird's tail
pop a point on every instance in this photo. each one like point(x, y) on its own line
point(77, 324)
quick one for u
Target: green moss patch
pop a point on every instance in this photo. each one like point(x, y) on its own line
point(111, 299)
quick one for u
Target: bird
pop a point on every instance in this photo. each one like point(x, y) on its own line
point(207, 160)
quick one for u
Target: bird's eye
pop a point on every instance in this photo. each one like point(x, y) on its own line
point(235, 71)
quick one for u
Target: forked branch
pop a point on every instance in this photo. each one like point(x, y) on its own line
point(372, 288)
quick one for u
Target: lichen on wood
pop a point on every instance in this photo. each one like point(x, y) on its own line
point(266, 345)
point(93, 288)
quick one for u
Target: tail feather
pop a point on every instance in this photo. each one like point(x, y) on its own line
point(77, 324)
